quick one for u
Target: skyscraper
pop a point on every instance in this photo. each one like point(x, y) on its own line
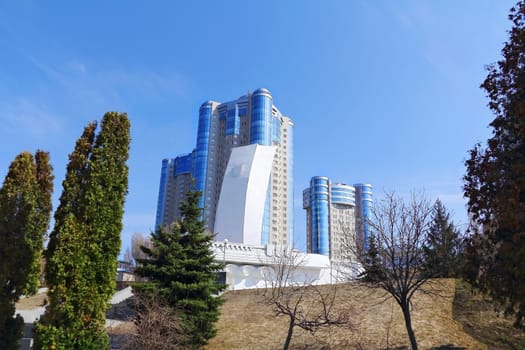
point(363, 193)
point(243, 165)
point(332, 215)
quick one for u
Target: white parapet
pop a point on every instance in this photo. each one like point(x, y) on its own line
point(251, 266)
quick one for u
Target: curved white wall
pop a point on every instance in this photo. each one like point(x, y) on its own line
point(240, 209)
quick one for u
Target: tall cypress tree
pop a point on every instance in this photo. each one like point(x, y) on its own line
point(182, 269)
point(84, 245)
point(24, 217)
point(42, 215)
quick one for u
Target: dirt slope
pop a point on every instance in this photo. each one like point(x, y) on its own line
point(378, 324)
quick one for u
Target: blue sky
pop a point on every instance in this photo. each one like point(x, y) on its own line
point(384, 92)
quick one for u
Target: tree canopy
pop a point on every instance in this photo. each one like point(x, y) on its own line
point(81, 257)
point(395, 259)
point(25, 209)
point(182, 269)
point(443, 246)
point(495, 179)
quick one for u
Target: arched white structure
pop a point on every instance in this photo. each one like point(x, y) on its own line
point(240, 210)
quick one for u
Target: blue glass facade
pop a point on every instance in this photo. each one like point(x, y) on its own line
point(276, 131)
point(251, 119)
point(265, 230)
point(261, 133)
point(365, 203)
point(320, 225)
point(290, 142)
point(233, 121)
point(261, 126)
point(201, 151)
point(164, 173)
point(183, 164)
point(335, 210)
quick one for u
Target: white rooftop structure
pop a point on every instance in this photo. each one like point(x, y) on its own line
point(251, 266)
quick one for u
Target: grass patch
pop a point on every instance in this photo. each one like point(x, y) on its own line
point(479, 317)
point(246, 323)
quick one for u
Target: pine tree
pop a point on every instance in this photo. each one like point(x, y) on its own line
point(495, 178)
point(25, 200)
point(181, 266)
point(372, 263)
point(81, 257)
point(443, 245)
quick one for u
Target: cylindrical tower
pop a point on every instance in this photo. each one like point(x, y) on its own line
point(200, 163)
point(261, 121)
point(343, 194)
point(364, 206)
point(319, 199)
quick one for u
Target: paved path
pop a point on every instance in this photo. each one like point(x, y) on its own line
point(30, 316)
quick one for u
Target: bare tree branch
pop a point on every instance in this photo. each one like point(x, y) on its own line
point(306, 305)
point(395, 259)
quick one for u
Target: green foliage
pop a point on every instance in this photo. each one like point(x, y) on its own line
point(42, 216)
point(495, 179)
point(372, 265)
point(181, 266)
point(11, 328)
point(81, 258)
point(25, 207)
point(443, 245)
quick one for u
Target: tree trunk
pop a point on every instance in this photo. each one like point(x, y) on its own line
point(408, 323)
point(290, 332)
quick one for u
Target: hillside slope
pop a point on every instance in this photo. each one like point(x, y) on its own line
point(377, 323)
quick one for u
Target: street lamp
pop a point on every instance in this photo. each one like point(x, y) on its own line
point(224, 253)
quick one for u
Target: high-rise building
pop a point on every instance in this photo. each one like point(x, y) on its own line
point(363, 194)
point(243, 165)
point(333, 219)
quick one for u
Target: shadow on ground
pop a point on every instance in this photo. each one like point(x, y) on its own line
point(476, 313)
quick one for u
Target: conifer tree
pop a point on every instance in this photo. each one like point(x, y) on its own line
point(81, 257)
point(25, 206)
point(42, 214)
point(181, 267)
point(372, 263)
point(443, 244)
point(495, 179)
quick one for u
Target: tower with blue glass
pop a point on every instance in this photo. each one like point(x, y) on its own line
point(252, 119)
point(335, 211)
point(364, 212)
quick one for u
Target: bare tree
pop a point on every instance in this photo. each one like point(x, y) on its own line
point(138, 240)
point(395, 258)
point(307, 306)
point(158, 327)
point(127, 256)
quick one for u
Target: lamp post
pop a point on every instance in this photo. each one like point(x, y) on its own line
point(224, 252)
